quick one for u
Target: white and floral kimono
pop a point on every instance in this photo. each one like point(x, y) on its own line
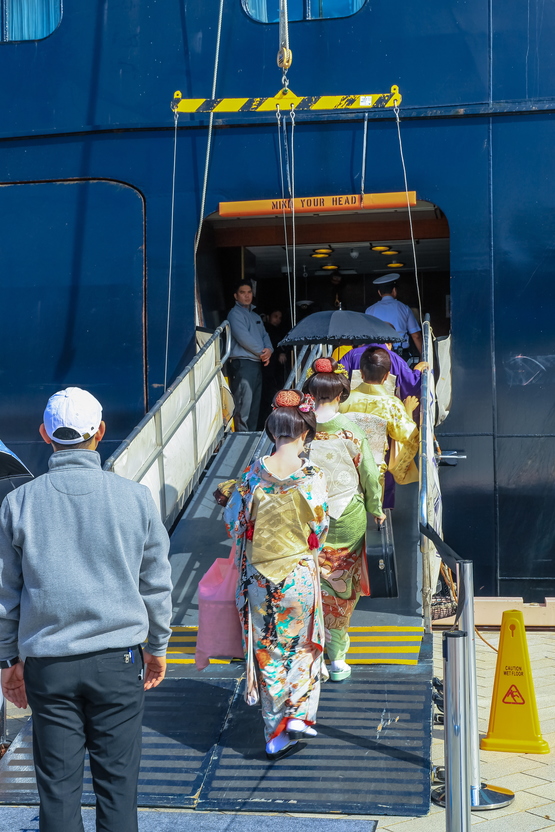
point(280, 526)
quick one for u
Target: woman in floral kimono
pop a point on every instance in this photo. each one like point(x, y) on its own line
point(340, 448)
point(278, 516)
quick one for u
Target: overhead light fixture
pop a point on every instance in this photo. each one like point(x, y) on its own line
point(321, 254)
point(389, 251)
point(354, 253)
point(330, 267)
point(323, 250)
point(380, 248)
point(395, 265)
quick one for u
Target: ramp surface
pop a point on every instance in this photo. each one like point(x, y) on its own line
point(26, 820)
point(203, 748)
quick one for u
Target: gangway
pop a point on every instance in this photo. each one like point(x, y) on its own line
point(203, 747)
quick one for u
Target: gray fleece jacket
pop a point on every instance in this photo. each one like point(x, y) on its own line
point(83, 563)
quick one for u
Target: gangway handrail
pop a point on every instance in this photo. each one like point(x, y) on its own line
point(153, 432)
point(426, 452)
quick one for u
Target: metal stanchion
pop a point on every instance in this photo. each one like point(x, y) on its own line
point(483, 796)
point(3, 723)
point(454, 795)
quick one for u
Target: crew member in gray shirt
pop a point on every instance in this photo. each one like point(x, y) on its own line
point(84, 581)
point(251, 348)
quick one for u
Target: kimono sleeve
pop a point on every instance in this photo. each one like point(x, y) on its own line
point(370, 480)
point(318, 500)
point(401, 427)
point(234, 515)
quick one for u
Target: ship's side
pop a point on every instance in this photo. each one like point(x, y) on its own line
point(86, 153)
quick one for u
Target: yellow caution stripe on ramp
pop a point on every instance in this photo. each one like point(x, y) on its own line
point(369, 645)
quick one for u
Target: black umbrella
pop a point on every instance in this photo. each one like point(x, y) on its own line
point(340, 326)
point(11, 465)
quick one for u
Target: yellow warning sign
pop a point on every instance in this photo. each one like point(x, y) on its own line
point(511, 730)
point(513, 696)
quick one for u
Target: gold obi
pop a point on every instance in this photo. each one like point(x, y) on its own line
point(281, 533)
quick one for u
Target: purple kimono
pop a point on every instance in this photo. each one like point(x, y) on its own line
point(408, 380)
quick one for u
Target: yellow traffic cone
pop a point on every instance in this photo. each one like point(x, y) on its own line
point(513, 723)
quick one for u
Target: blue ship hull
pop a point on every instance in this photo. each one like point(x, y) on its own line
point(86, 148)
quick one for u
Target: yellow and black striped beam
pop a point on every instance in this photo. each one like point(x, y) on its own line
point(286, 100)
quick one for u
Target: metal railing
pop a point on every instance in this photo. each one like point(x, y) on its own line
point(295, 379)
point(429, 484)
point(169, 448)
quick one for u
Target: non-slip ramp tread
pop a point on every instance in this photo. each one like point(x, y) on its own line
point(182, 724)
point(372, 755)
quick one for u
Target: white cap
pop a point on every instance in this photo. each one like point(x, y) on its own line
point(387, 278)
point(72, 415)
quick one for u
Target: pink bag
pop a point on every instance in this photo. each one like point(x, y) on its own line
point(219, 625)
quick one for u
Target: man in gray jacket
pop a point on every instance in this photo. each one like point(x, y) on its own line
point(251, 347)
point(84, 580)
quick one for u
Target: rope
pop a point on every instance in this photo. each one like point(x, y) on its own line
point(208, 149)
point(396, 111)
point(288, 265)
point(293, 235)
point(363, 166)
point(170, 269)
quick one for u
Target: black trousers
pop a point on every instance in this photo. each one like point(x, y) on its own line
point(92, 701)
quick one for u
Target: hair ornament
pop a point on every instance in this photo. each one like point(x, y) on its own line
point(325, 365)
point(308, 404)
point(287, 398)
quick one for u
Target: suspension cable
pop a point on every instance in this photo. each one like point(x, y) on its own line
point(293, 228)
point(284, 55)
point(198, 309)
point(170, 268)
point(283, 213)
point(363, 165)
point(396, 111)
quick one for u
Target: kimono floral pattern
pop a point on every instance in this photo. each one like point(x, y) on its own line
point(283, 632)
point(343, 567)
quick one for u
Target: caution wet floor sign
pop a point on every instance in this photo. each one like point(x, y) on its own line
point(514, 724)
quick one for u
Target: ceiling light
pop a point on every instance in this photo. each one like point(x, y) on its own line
point(395, 265)
point(390, 251)
point(316, 254)
point(380, 248)
point(323, 250)
point(330, 267)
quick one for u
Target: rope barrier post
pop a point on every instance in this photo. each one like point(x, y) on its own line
point(454, 795)
point(482, 795)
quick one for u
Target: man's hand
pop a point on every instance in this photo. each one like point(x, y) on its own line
point(411, 403)
point(282, 358)
point(155, 670)
point(379, 521)
point(13, 685)
point(265, 356)
point(422, 365)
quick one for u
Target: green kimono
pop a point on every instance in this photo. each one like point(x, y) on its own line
point(341, 450)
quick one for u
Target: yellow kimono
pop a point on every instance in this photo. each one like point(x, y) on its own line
point(371, 405)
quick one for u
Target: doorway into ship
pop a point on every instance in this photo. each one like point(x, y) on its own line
point(337, 258)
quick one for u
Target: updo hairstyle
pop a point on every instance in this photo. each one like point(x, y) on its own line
point(286, 420)
point(326, 385)
point(375, 364)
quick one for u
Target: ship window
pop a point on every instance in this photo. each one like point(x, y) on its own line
point(29, 19)
point(267, 11)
